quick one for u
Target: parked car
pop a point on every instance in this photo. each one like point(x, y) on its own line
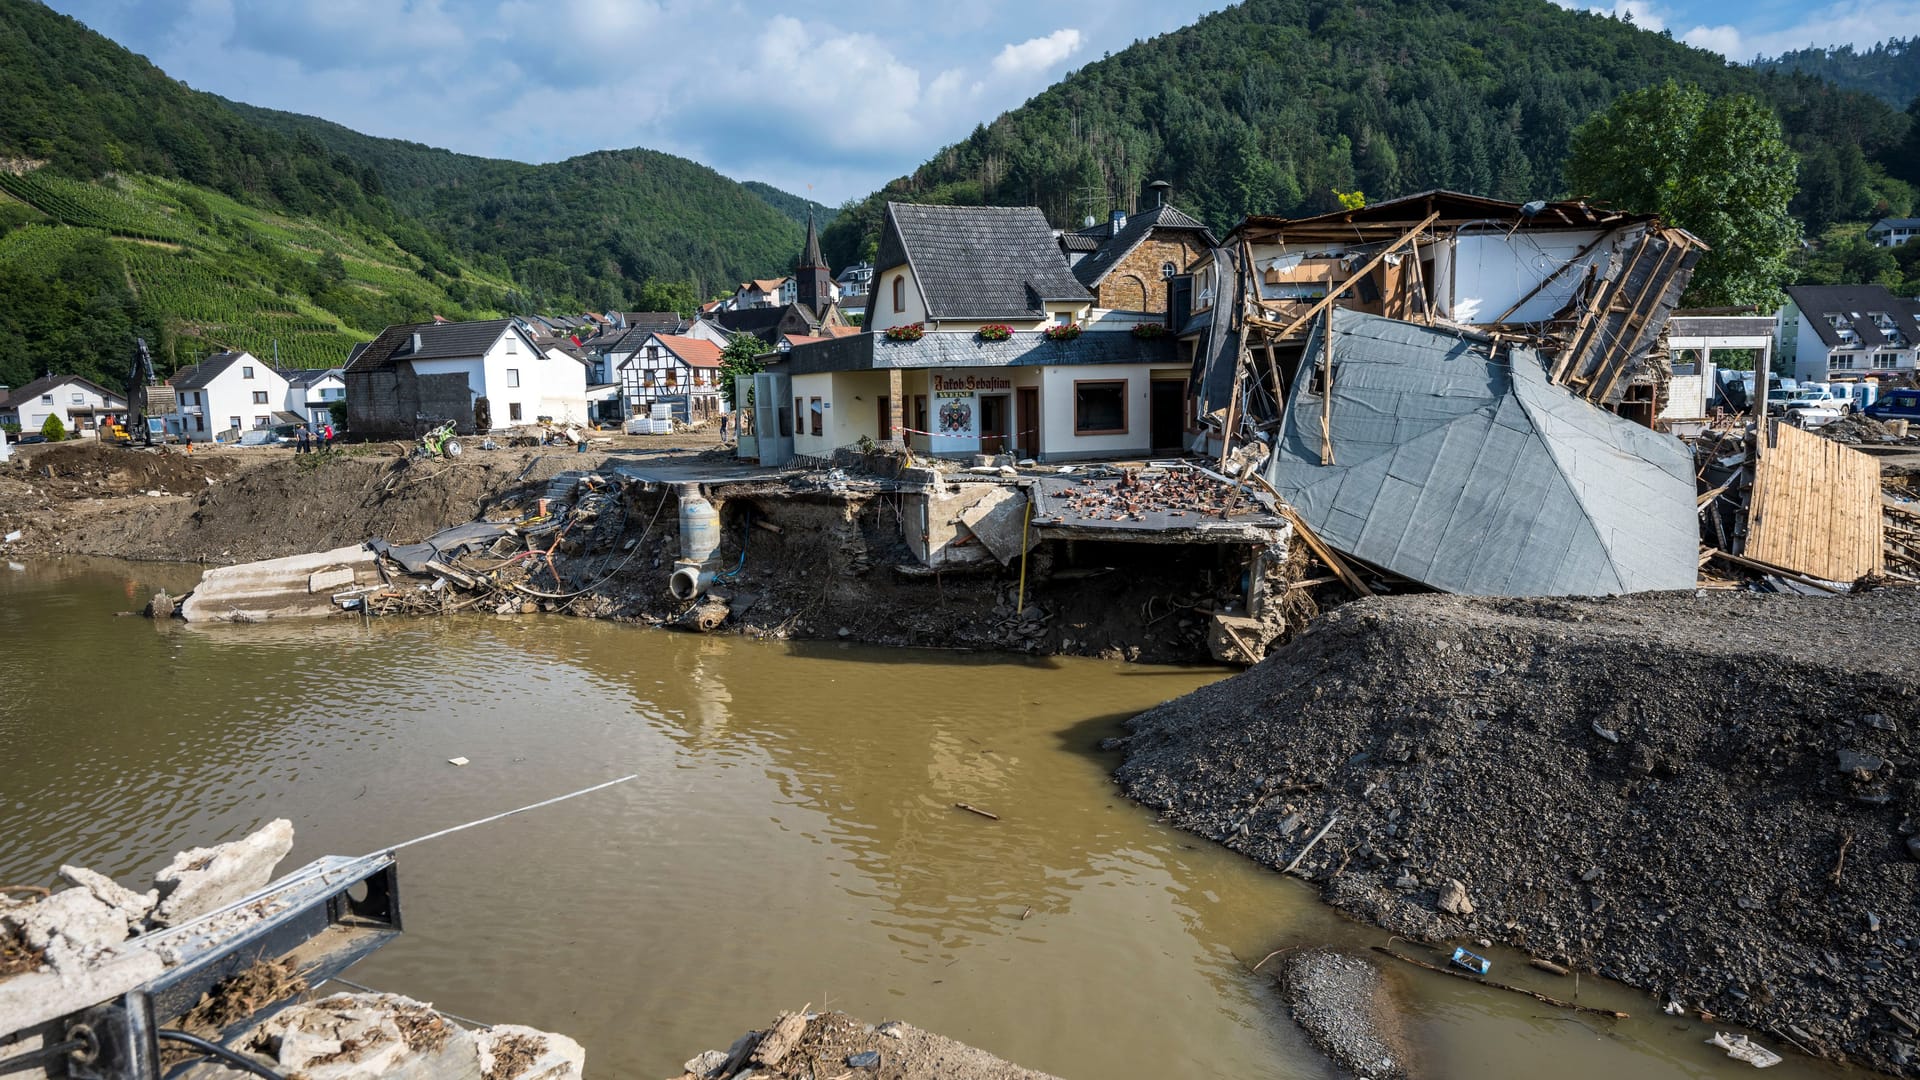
point(1896, 405)
point(29, 439)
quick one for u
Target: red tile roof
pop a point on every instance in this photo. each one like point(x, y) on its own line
point(696, 352)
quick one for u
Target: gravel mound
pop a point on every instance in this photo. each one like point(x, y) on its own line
point(1340, 1001)
point(1713, 798)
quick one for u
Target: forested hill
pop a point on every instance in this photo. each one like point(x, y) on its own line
point(1889, 71)
point(1273, 105)
point(794, 206)
point(587, 232)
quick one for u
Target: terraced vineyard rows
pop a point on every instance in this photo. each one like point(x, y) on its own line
point(89, 206)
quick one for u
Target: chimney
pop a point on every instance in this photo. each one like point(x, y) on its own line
point(1119, 221)
point(1161, 190)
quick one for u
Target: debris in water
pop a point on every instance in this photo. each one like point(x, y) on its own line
point(1741, 1048)
point(458, 761)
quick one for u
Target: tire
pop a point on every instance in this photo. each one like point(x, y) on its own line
point(451, 448)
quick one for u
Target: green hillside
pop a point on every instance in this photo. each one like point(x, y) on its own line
point(792, 205)
point(132, 204)
point(1889, 71)
point(1273, 105)
point(87, 266)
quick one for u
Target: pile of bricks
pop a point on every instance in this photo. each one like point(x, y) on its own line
point(1178, 493)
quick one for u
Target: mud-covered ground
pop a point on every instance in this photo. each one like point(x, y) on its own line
point(1714, 797)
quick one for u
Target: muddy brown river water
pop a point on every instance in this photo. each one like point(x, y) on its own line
point(791, 840)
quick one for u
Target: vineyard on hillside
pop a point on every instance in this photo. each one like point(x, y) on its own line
point(197, 272)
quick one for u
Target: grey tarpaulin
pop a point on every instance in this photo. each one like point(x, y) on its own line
point(441, 545)
point(1458, 465)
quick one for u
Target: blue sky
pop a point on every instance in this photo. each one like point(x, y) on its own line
point(829, 100)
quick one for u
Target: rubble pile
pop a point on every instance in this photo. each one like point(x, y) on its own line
point(1856, 429)
point(1715, 798)
point(1175, 492)
point(803, 1046)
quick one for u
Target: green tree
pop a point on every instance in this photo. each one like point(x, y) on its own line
point(53, 429)
point(675, 296)
point(1717, 167)
point(740, 357)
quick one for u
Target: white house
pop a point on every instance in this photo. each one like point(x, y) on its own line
point(671, 369)
point(311, 393)
point(229, 393)
point(440, 371)
point(1892, 232)
point(997, 347)
point(1842, 331)
point(76, 401)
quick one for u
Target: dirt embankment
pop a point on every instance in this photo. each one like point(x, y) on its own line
point(237, 505)
point(1713, 798)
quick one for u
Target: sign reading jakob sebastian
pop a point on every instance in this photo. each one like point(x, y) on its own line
point(948, 386)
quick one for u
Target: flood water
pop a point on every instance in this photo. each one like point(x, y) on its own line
point(791, 840)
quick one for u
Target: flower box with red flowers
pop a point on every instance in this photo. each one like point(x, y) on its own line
point(1147, 331)
point(910, 332)
point(995, 332)
point(1062, 332)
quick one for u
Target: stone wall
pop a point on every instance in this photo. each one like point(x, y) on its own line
point(1136, 283)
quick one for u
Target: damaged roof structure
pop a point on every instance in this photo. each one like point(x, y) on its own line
point(1451, 459)
point(1444, 383)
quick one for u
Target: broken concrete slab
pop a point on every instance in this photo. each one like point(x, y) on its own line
point(276, 588)
point(207, 879)
point(328, 580)
point(901, 1051)
point(999, 521)
point(134, 907)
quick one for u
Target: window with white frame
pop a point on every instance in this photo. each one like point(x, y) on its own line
point(259, 397)
point(233, 421)
point(246, 371)
point(79, 399)
point(513, 375)
point(46, 399)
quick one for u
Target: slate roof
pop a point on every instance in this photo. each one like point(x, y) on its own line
point(203, 373)
point(761, 322)
point(664, 322)
point(1466, 470)
point(1111, 247)
point(1895, 223)
point(872, 352)
point(26, 395)
point(1083, 240)
point(438, 341)
point(1857, 304)
point(978, 262)
point(304, 377)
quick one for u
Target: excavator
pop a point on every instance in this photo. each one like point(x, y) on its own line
point(144, 394)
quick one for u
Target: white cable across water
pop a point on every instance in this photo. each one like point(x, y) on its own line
point(496, 817)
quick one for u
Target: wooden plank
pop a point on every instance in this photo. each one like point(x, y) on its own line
point(1326, 393)
point(1555, 276)
point(1326, 554)
point(1816, 507)
point(1656, 288)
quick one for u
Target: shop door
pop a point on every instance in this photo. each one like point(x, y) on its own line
point(885, 427)
point(1027, 437)
point(1167, 410)
point(993, 424)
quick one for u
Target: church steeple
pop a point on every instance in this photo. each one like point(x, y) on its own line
point(812, 279)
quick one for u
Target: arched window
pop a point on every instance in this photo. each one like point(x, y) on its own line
point(1167, 269)
point(900, 294)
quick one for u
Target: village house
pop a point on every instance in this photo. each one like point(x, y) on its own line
point(1848, 331)
point(811, 301)
point(1892, 232)
point(424, 373)
point(227, 394)
point(979, 338)
point(76, 401)
point(764, 293)
point(669, 369)
point(1131, 261)
point(311, 393)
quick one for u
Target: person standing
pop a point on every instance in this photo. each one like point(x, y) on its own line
point(304, 443)
point(723, 427)
point(329, 443)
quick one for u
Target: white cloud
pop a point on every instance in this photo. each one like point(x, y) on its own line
point(1851, 22)
point(1037, 54)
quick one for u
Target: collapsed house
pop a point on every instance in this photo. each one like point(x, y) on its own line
point(1457, 390)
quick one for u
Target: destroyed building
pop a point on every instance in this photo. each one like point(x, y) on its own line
point(1457, 390)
